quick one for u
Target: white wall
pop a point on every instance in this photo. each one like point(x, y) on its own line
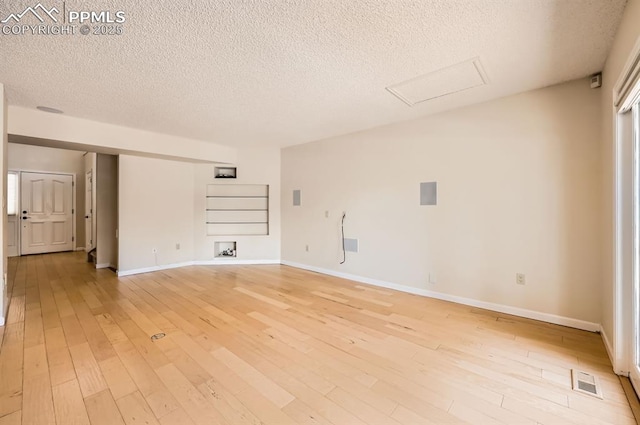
point(90, 164)
point(518, 191)
point(162, 203)
point(80, 134)
point(626, 37)
point(35, 158)
point(254, 166)
point(156, 203)
point(107, 210)
point(3, 195)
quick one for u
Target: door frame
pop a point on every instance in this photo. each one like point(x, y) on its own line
point(73, 203)
point(17, 221)
point(88, 247)
point(633, 352)
point(625, 348)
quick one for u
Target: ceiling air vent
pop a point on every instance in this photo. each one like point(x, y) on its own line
point(442, 82)
point(586, 383)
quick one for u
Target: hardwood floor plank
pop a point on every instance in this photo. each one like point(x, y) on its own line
point(87, 370)
point(260, 297)
point(135, 410)
point(14, 418)
point(68, 403)
point(117, 377)
point(11, 368)
point(102, 409)
point(227, 404)
point(177, 417)
point(191, 400)
point(37, 402)
point(257, 380)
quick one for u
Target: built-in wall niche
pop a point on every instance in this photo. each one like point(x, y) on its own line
point(226, 249)
point(237, 209)
point(225, 172)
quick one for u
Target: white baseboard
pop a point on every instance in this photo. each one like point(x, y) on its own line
point(501, 308)
point(195, 263)
point(230, 261)
point(607, 345)
point(79, 248)
point(618, 368)
point(103, 266)
point(153, 268)
point(5, 310)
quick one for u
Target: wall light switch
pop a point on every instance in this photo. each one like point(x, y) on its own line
point(296, 198)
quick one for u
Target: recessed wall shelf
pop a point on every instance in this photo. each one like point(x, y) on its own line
point(237, 209)
point(225, 172)
point(226, 249)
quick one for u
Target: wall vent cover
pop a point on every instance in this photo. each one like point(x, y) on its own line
point(586, 383)
point(441, 82)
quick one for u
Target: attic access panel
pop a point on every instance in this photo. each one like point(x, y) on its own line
point(442, 82)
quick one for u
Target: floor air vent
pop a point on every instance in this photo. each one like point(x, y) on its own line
point(585, 383)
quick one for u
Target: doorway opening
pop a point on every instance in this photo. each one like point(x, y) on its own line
point(62, 200)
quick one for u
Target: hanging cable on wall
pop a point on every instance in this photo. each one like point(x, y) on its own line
point(344, 252)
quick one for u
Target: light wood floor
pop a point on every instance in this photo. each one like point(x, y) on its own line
point(277, 345)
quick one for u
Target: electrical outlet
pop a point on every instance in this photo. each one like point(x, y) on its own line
point(178, 246)
point(154, 250)
point(306, 248)
point(432, 278)
point(520, 278)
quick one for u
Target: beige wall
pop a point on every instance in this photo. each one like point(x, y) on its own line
point(35, 158)
point(626, 37)
point(107, 210)
point(518, 191)
point(254, 166)
point(156, 203)
point(81, 134)
point(90, 160)
point(163, 203)
point(3, 195)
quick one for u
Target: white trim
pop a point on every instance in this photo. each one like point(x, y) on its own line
point(501, 308)
point(103, 266)
point(609, 347)
point(225, 261)
point(618, 357)
point(6, 301)
point(628, 76)
point(153, 269)
point(79, 248)
point(195, 263)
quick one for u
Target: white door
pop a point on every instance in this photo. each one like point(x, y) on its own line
point(88, 211)
point(46, 219)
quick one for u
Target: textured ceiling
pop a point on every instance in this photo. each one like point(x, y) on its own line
point(276, 73)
